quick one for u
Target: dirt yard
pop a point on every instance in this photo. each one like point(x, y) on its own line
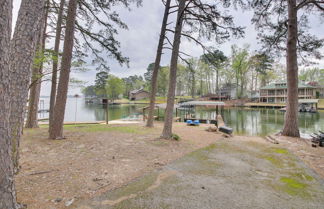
point(313, 157)
point(94, 159)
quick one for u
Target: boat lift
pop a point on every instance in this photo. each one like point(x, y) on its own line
point(188, 108)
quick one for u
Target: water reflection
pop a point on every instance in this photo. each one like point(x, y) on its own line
point(78, 110)
point(243, 120)
point(262, 121)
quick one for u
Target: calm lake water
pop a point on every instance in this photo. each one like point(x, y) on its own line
point(243, 120)
point(261, 121)
point(78, 110)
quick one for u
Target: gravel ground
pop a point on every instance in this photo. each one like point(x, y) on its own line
point(231, 173)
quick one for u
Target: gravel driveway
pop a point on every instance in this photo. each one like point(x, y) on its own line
point(229, 174)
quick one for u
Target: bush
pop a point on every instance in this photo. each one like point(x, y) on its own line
point(175, 137)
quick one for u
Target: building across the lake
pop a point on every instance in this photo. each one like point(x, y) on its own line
point(138, 94)
point(319, 89)
point(227, 92)
point(277, 92)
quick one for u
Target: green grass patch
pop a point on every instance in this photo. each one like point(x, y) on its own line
point(90, 128)
point(134, 187)
point(294, 187)
point(106, 128)
point(279, 150)
point(210, 147)
point(175, 137)
point(303, 176)
point(274, 161)
point(202, 164)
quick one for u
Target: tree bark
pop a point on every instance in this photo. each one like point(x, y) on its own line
point(56, 128)
point(34, 93)
point(167, 129)
point(291, 116)
point(193, 84)
point(22, 51)
point(217, 85)
point(256, 82)
point(7, 186)
point(37, 71)
point(150, 118)
point(55, 61)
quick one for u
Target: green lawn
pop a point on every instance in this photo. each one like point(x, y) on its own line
point(132, 129)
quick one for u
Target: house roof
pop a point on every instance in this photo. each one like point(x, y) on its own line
point(137, 91)
point(280, 86)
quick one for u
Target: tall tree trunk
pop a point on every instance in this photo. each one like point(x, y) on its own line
point(193, 85)
point(7, 187)
point(150, 118)
point(167, 129)
point(252, 81)
point(237, 87)
point(56, 129)
point(23, 47)
point(55, 60)
point(37, 71)
point(256, 82)
point(217, 84)
point(291, 116)
point(242, 87)
point(34, 93)
point(201, 85)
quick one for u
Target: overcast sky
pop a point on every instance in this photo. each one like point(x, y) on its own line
point(139, 43)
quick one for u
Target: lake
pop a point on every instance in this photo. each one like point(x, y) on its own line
point(262, 121)
point(245, 121)
point(78, 110)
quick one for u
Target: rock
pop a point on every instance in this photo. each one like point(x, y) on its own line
point(57, 200)
point(159, 164)
point(69, 202)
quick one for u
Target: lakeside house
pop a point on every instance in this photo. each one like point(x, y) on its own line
point(320, 89)
point(227, 92)
point(277, 92)
point(138, 94)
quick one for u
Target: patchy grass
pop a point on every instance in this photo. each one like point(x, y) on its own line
point(134, 187)
point(279, 150)
point(131, 129)
point(275, 161)
point(302, 175)
point(210, 147)
point(175, 137)
point(106, 128)
point(294, 187)
point(202, 164)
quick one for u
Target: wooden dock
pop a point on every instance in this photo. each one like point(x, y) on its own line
point(262, 104)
